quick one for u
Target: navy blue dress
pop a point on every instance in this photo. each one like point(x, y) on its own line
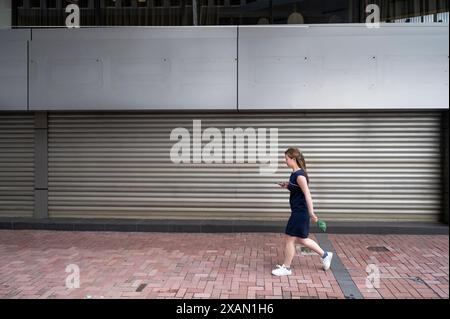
point(298, 223)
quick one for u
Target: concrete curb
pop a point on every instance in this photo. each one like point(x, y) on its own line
point(218, 226)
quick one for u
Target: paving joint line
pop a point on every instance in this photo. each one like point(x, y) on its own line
point(345, 281)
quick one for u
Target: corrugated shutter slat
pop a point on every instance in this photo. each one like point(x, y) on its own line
point(362, 166)
point(16, 164)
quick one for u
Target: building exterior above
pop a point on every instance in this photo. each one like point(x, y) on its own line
point(395, 66)
point(225, 12)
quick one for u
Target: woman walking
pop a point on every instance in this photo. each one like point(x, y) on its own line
point(302, 212)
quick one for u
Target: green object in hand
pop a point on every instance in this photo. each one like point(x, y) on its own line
point(322, 225)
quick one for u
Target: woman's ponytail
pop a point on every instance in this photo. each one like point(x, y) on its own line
point(294, 152)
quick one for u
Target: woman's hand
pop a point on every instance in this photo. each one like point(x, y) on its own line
point(283, 184)
point(314, 218)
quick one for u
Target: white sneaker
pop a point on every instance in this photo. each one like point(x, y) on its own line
point(326, 262)
point(281, 271)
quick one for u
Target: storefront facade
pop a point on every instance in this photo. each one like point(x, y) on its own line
point(88, 127)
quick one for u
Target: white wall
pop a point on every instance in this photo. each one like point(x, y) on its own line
point(345, 66)
point(13, 68)
point(5, 13)
point(133, 68)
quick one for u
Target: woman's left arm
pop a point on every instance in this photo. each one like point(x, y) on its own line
point(301, 180)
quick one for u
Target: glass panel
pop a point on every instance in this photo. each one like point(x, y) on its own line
point(233, 12)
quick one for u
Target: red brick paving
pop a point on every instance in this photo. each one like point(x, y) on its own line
point(177, 265)
point(180, 265)
point(409, 257)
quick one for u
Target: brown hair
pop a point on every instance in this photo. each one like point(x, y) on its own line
point(293, 152)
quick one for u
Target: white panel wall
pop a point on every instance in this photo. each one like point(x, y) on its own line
point(133, 68)
point(343, 67)
point(5, 13)
point(13, 69)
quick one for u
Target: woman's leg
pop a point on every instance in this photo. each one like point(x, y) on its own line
point(311, 244)
point(289, 252)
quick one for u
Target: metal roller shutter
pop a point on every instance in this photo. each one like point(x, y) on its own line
point(362, 166)
point(16, 164)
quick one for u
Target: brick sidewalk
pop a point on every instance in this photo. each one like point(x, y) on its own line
point(413, 266)
point(180, 265)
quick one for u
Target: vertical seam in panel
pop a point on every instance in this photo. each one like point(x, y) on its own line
point(28, 75)
point(237, 69)
point(28, 69)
